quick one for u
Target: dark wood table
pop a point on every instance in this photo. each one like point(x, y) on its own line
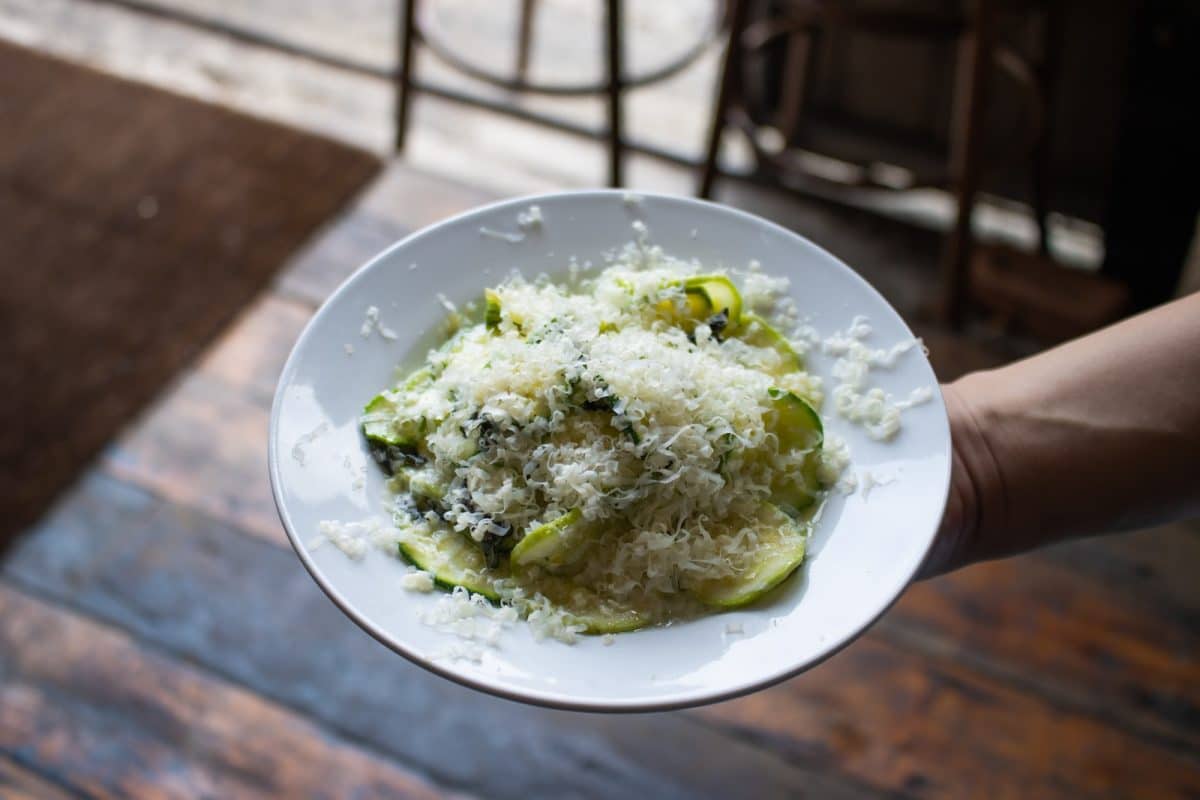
point(158, 638)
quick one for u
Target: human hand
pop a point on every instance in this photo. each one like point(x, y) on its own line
point(959, 518)
point(974, 476)
point(1098, 435)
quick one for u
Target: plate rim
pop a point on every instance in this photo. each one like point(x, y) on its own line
point(548, 699)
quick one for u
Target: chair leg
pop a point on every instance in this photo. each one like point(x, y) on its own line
point(613, 41)
point(795, 83)
point(966, 158)
point(729, 70)
point(1041, 191)
point(524, 38)
point(407, 39)
point(1042, 156)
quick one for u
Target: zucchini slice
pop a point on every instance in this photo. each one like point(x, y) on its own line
point(423, 487)
point(555, 545)
point(491, 309)
point(719, 295)
point(758, 332)
point(705, 296)
point(696, 308)
point(798, 427)
point(781, 546)
point(453, 560)
point(405, 433)
point(584, 607)
point(384, 422)
point(601, 617)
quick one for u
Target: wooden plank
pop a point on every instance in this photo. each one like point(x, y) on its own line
point(246, 610)
point(928, 726)
point(109, 718)
point(400, 201)
point(346, 244)
point(1114, 651)
point(173, 452)
point(415, 198)
point(251, 353)
point(1160, 562)
point(19, 783)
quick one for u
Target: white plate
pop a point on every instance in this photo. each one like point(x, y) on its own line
point(865, 550)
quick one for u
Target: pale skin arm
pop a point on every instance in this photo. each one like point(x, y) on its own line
point(1101, 434)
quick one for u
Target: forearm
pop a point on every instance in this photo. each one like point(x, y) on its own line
point(1098, 435)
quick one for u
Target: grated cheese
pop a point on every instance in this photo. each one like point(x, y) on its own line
point(530, 218)
point(589, 399)
point(469, 616)
point(417, 581)
point(663, 462)
point(355, 538)
point(853, 398)
point(871, 481)
point(347, 537)
point(371, 323)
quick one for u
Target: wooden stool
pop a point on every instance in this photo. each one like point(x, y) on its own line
point(1027, 293)
point(420, 28)
point(976, 34)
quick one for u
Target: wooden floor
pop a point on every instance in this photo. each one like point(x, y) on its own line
point(158, 638)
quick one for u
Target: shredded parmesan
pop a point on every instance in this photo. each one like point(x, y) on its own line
point(870, 481)
point(470, 617)
point(641, 232)
point(355, 538)
point(530, 219)
point(853, 397)
point(371, 323)
point(418, 581)
point(593, 400)
point(661, 458)
point(347, 537)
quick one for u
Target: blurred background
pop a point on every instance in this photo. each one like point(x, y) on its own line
point(182, 183)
